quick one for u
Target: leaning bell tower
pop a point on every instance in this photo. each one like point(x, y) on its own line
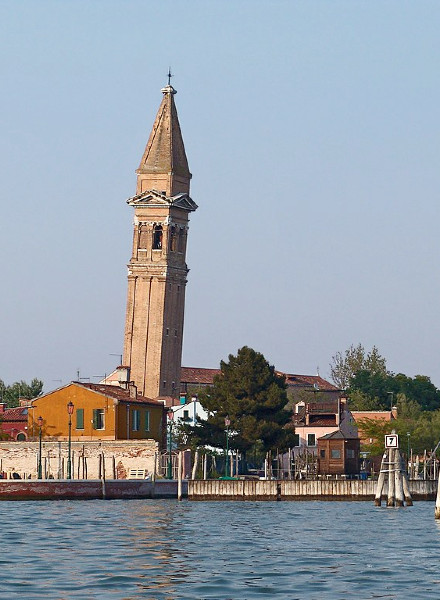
point(157, 270)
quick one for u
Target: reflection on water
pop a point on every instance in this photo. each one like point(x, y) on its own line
point(164, 550)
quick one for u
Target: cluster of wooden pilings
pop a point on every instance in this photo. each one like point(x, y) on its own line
point(393, 472)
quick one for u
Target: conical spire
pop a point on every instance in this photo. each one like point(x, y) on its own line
point(164, 166)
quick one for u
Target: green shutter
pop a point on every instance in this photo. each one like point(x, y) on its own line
point(95, 418)
point(147, 420)
point(80, 418)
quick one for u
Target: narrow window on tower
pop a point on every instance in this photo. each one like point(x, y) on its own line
point(173, 239)
point(157, 237)
point(143, 236)
point(181, 240)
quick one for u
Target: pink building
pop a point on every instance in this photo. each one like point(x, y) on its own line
point(314, 420)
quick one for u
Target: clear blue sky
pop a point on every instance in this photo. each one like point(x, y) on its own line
point(312, 132)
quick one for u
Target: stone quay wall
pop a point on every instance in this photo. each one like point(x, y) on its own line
point(214, 489)
point(89, 459)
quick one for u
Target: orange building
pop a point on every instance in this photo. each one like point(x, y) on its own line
point(385, 416)
point(99, 412)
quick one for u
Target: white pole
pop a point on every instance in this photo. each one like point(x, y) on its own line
point(179, 476)
point(390, 499)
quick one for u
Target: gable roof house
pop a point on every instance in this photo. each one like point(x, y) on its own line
point(99, 412)
point(314, 420)
point(14, 421)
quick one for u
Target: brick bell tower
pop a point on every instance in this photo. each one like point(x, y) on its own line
point(157, 270)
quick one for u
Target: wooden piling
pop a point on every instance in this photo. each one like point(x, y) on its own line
point(405, 482)
point(398, 478)
point(437, 502)
point(195, 465)
point(380, 481)
point(391, 484)
point(179, 475)
point(153, 475)
point(205, 466)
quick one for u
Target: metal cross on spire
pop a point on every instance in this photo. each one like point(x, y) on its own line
point(169, 75)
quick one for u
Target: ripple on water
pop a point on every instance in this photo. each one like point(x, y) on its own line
point(164, 550)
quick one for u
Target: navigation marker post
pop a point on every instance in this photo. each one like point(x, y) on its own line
point(392, 467)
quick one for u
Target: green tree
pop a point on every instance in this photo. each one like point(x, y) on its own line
point(382, 390)
point(254, 398)
point(346, 364)
point(20, 389)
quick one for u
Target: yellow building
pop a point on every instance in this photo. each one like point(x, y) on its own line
point(99, 412)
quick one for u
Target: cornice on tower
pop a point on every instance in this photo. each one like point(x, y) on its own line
point(164, 166)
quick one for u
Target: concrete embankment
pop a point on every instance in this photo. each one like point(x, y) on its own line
point(211, 489)
point(111, 489)
point(299, 490)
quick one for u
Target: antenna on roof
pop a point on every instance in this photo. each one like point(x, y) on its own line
point(120, 358)
point(317, 370)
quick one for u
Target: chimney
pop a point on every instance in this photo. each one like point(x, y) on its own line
point(133, 390)
point(123, 376)
point(394, 412)
point(2, 407)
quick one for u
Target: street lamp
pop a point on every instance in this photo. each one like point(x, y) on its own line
point(170, 415)
point(40, 472)
point(227, 423)
point(392, 400)
point(408, 434)
point(70, 407)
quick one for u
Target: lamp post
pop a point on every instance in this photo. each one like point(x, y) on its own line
point(408, 435)
point(392, 400)
point(170, 415)
point(40, 471)
point(227, 423)
point(69, 459)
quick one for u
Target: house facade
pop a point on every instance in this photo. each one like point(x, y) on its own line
point(14, 421)
point(99, 412)
point(314, 420)
point(338, 454)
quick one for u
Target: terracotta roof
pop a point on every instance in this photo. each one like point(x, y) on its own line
point(337, 435)
point(14, 414)
point(198, 375)
point(120, 394)
point(375, 415)
point(319, 422)
point(206, 376)
point(309, 381)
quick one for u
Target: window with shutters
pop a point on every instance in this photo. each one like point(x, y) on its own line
point(135, 420)
point(80, 418)
point(98, 418)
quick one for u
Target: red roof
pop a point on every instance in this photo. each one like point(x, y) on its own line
point(310, 381)
point(14, 414)
point(197, 375)
point(120, 394)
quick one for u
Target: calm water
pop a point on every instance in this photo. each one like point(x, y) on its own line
point(217, 550)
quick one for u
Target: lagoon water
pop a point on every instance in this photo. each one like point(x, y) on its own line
point(156, 549)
